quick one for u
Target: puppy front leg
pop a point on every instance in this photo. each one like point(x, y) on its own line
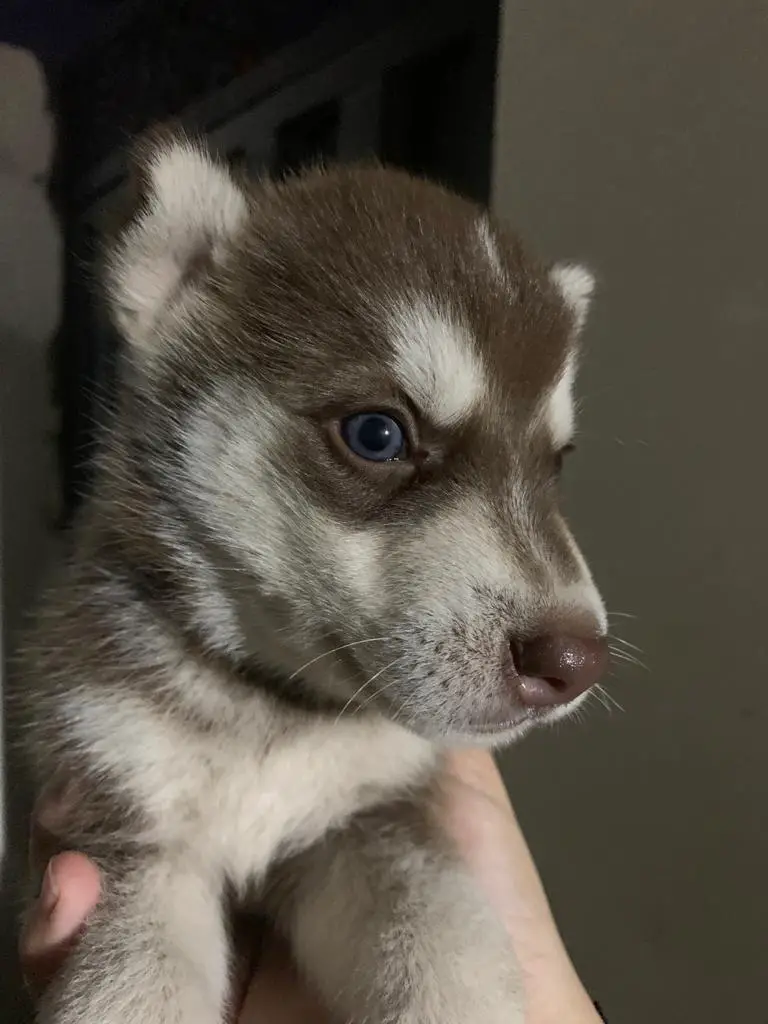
point(389, 925)
point(154, 951)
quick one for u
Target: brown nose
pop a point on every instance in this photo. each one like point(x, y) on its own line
point(556, 669)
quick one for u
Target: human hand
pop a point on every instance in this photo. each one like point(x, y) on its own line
point(471, 804)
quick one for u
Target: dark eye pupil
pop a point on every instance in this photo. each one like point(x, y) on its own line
point(376, 433)
point(374, 436)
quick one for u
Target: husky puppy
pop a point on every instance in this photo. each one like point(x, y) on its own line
point(323, 545)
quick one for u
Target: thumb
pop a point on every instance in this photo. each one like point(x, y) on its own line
point(69, 893)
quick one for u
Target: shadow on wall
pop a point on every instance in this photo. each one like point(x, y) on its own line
point(30, 268)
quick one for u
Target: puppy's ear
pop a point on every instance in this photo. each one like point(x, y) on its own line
point(576, 285)
point(186, 209)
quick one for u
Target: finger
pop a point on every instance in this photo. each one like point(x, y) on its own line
point(477, 769)
point(69, 893)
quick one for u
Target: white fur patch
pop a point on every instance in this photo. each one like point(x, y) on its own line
point(457, 551)
point(193, 207)
point(253, 509)
point(436, 363)
point(358, 555)
point(238, 794)
point(576, 284)
point(193, 192)
point(581, 594)
point(561, 412)
point(289, 542)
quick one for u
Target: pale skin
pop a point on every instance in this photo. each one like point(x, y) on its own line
point(476, 813)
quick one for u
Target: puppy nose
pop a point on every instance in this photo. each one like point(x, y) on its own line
point(557, 669)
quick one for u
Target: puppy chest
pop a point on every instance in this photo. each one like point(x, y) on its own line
point(239, 808)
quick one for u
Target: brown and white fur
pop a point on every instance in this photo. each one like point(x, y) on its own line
point(262, 642)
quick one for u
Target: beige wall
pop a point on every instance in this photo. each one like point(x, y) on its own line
point(636, 135)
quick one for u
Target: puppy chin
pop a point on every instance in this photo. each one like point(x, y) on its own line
point(458, 736)
point(493, 728)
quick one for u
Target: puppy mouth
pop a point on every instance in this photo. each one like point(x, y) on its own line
point(506, 716)
point(522, 721)
point(517, 702)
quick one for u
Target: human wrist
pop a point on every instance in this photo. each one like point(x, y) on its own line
point(555, 994)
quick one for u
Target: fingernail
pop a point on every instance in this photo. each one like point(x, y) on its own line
point(49, 893)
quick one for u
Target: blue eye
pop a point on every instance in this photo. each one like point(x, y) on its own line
point(374, 436)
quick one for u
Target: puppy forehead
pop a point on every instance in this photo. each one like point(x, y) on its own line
point(456, 366)
point(405, 281)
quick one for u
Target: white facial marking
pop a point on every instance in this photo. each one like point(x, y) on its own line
point(488, 243)
point(560, 412)
point(240, 484)
point(583, 594)
point(358, 554)
point(463, 555)
point(458, 550)
point(576, 284)
point(436, 363)
point(289, 541)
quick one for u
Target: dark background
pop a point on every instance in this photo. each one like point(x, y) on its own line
point(272, 84)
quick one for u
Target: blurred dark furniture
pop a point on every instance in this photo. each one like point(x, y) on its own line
point(274, 85)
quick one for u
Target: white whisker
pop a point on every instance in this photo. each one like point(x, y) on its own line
point(381, 689)
point(626, 643)
point(620, 655)
point(606, 698)
point(360, 689)
point(343, 647)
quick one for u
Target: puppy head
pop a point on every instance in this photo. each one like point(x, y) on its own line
point(357, 391)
